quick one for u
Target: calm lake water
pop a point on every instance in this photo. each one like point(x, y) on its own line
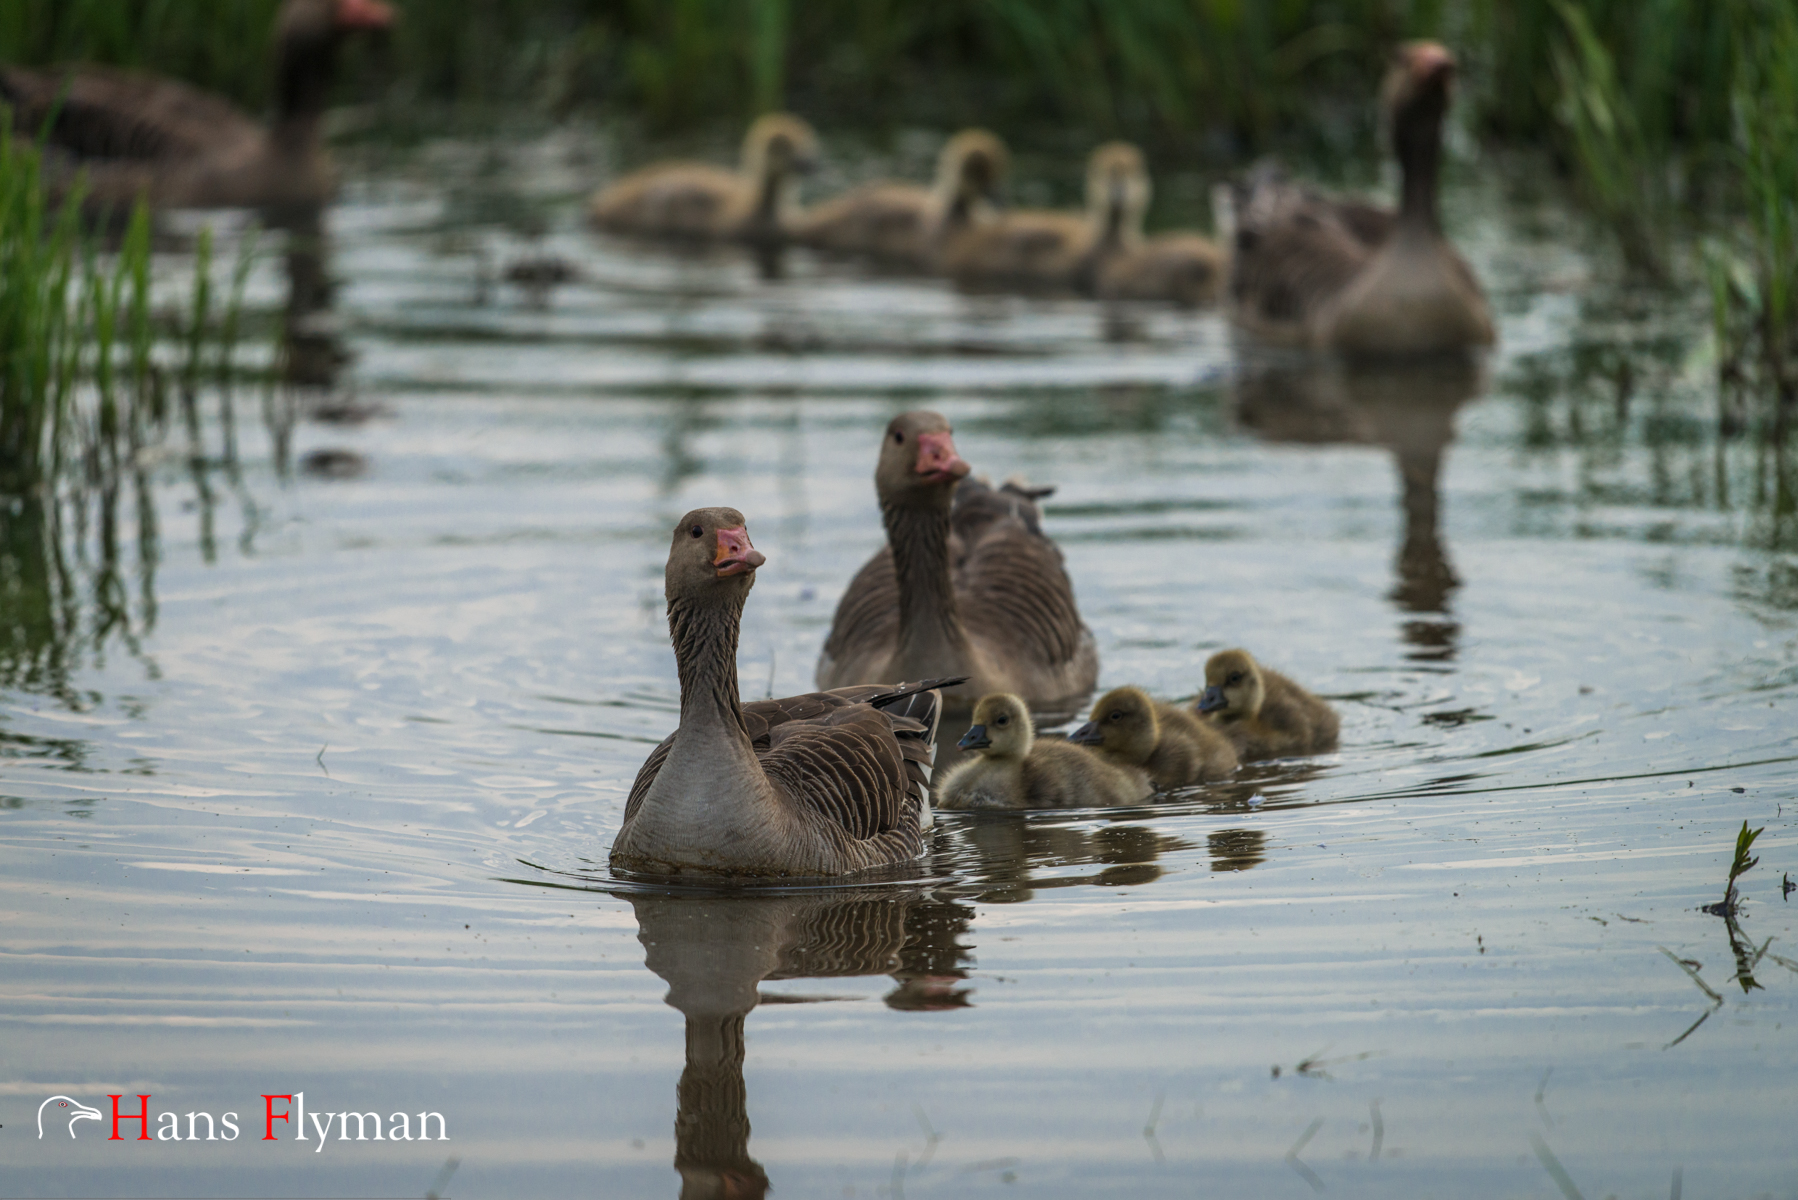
point(309, 787)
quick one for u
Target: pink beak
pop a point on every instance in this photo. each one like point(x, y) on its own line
point(1427, 60)
point(363, 14)
point(937, 460)
point(735, 555)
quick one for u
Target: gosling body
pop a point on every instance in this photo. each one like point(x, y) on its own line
point(906, 226)
point(1174, 747)
point(1262, 712)
point(1011, 769)
point(695, 201)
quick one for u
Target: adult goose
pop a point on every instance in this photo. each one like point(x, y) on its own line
point(815, 785)
point(701, 202)
point(906, 225)
point(1263, 713)
point(135, 134)
point(967, 584)
point(1352, 278)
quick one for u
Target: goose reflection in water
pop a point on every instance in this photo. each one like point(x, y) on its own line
point(1409, 409)
point(714, 952)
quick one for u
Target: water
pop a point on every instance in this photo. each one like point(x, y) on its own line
point(309, 787)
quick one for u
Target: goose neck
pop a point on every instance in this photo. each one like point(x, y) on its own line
point(929, 619)
point(705, 655)
point(1417, 141)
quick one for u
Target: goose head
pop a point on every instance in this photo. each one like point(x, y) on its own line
point(970, 171)
point(307, 34)
point(778, 147)
point(1117, 192)
point(918, 464)
point(1234, 689)
point(711, 556)
point(1123, 723)
point(1001, 728)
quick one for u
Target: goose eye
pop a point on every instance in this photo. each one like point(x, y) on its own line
point(1117, 715)
point(898, 437)
point(1002, 721)
point(1236, 677)
point(697, 531)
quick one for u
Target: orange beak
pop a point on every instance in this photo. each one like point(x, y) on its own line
point(363, 14)
point(735, 555)
point(937, 460)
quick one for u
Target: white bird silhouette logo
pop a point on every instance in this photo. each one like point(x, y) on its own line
point(81, 1112)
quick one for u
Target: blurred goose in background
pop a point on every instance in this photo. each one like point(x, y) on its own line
point(1184, 268)
point(1263, 713)
point(907, 225)
point(991, 601)
point(1174, 747)
point(1056, 250)
point(815, 785)
point(1011, 769)
point(136, 134)
point(1352, 278)
point(699, 201)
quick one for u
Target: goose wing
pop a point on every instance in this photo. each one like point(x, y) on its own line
point(102, 114)
point(1014, 591)
point(1294, 250)
point(908, 709)
point(867, 617)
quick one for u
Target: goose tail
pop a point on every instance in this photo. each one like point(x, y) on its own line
point(922, 704)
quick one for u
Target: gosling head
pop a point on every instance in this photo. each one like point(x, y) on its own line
point(971, 169)
point(1117, 191)
point(918, 464)
point(711, 556)
point(1416, 94)
point(1123, 724)
point(1234, 689)
point(1001, 728)
point(778, 146)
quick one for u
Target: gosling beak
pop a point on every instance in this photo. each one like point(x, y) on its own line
point(735, 555)
point(975, 738)
point(1212, 700)
point(363, 14)
point(937, 460)
point(1086, 735)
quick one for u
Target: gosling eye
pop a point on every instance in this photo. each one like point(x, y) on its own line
point(1235, 677)
point(697, 531)
point(1001, 720)
point(898, 437)
point(1117, 715)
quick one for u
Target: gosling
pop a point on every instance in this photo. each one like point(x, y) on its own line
point(1263, 713)
point(1012, 770)
point(701, 202)
point(1172, 746)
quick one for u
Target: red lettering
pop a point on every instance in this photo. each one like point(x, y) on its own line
point(141, 1116)
point(270, 1116)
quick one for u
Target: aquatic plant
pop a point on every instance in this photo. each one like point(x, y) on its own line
point(1740, 865)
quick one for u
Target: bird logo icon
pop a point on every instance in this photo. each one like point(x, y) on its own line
point(77, 1112)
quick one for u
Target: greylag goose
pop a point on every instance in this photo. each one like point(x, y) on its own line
point(1355, 279)
point(967, 584)
point(1263, 713)
point(1184, 268)
point(907, 225)
point(702, 202)
point(1172, 745)
point(135, 134)
point(1011, 769)
point(814, 785)
point(1049, 249)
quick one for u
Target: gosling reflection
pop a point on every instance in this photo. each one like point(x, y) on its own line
point(1410, 410)
point(1015, 857)
point(1236, 849)
point(714, 952)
